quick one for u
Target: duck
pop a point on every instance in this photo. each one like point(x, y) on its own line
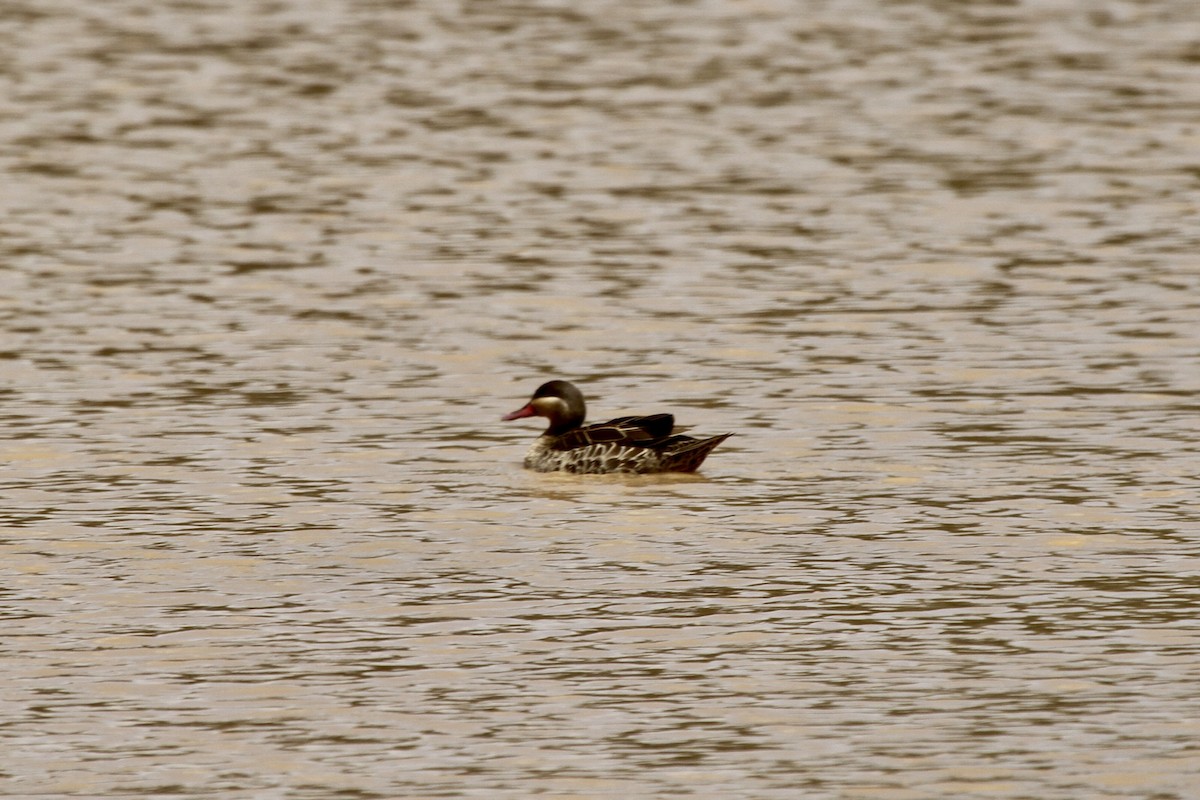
point(636, 445)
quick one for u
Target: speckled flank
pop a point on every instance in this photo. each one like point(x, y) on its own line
point(617, 458)
point(595, 458)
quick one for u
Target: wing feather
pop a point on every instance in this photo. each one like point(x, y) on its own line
point(625, 431)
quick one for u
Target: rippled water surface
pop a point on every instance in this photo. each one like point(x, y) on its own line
point(270, 272)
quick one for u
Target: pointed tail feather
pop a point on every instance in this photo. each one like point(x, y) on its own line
point(690, 455)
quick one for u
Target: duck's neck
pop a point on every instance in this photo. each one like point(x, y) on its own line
point(561, 426)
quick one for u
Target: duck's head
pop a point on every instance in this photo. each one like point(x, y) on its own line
point(558, 401)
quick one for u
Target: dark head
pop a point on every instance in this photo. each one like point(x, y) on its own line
point(558, 401)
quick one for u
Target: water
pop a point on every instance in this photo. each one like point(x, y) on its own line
point(271, 273)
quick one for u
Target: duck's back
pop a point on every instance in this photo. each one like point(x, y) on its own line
point(631, 431)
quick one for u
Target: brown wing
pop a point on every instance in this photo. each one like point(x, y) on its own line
point(627, 431)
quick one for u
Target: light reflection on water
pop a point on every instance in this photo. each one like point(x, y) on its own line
point(272, 273)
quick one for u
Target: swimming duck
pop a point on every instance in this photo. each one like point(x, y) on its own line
point(625, 444)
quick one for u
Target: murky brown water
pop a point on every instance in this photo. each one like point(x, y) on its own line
point(270, 273)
